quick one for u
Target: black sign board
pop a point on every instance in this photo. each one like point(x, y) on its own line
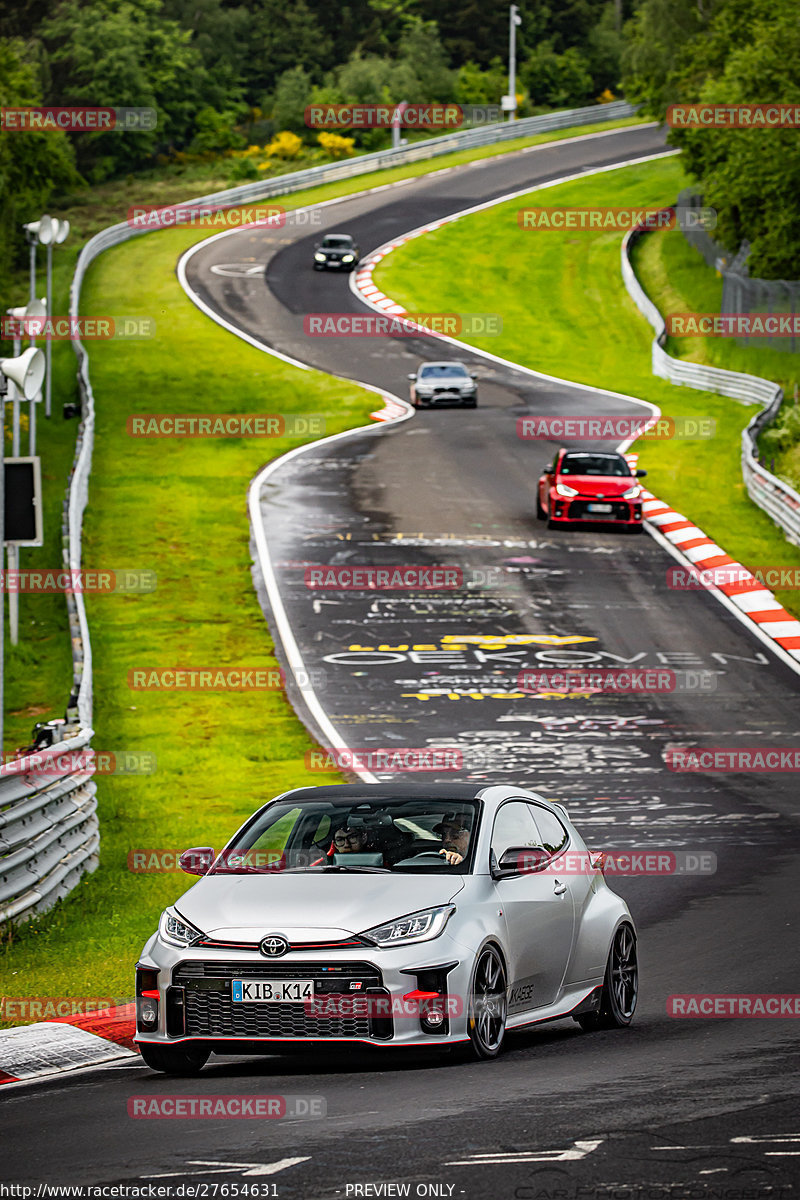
point(23, 502)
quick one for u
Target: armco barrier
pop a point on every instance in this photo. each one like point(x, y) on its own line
point(780, 501)
point(49, 833)
point(62, 815)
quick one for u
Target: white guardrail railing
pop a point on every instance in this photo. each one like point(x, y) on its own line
point(49, 832)
point(780, 501)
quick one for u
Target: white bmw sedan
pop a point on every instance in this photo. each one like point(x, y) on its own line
point(386, 915)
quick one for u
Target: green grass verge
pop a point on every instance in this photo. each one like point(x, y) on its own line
point(177, 507)
point(677, 279)
point(566, 312)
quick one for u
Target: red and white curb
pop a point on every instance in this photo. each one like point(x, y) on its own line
point(754, 603)
point(391, 411)
point(66, 1044)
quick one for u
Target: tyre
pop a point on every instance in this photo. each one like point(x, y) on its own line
point(174, 1060)
point(541, 515)
point(634, 529)
point(486, 1022)
point(620, 986)
point(471, 403)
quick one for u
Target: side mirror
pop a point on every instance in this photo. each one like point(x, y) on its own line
point(198, 860)
point(412, 376)
point(520, 860)
point(640, 474)
point(473, 375)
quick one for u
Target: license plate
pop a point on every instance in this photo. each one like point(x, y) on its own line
point(271, 991)
point(600, 507)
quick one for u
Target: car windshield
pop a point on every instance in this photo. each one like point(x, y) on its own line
point(594, 464)
point(355, 836)
point(442, 371)
point(337, 243)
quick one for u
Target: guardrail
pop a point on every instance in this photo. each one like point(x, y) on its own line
point(49, 834)
point(780, 501)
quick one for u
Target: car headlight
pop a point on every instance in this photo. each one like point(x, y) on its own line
point(632, 492)
point(321, 257)
point(175, 931)
point(416, 927)
point(348, 257)
point(564, 489)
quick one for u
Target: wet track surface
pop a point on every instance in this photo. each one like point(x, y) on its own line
point(562, 1113)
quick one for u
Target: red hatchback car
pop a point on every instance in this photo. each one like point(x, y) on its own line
point(590, 485)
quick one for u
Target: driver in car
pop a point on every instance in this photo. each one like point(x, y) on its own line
point(454, 831)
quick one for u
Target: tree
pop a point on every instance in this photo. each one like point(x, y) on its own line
point(603, 51)
point(292, 95)
point(751, 177)
point(222, 37)
point(655, 43)
point(34, 166)
point(558, 80)
point(283, 36)
point(421, 48)
point(123, 52)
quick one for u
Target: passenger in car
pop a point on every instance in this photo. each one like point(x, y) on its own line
point(351, 839)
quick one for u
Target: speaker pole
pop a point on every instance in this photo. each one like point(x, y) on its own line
point(2, 566)
point(47, 342)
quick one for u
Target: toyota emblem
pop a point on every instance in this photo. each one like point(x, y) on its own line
point(273, 946)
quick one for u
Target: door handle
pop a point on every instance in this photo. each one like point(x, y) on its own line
point(559, 888)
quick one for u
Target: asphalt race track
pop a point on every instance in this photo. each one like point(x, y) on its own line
point(668, 1108)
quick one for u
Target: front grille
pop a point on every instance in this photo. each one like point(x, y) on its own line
point(211, 1012)
point(579, 510)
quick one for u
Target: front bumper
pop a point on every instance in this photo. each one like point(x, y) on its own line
point(447, 396)
point(579, 508)
point(359, 997)
point(335, 263)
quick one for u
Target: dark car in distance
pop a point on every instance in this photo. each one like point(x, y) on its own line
point(336, 251)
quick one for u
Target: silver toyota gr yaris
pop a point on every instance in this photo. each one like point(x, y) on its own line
point(386, 915)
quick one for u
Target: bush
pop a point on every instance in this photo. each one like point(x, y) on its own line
point(284, 145)
point(242, 168)
point(336, 146)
